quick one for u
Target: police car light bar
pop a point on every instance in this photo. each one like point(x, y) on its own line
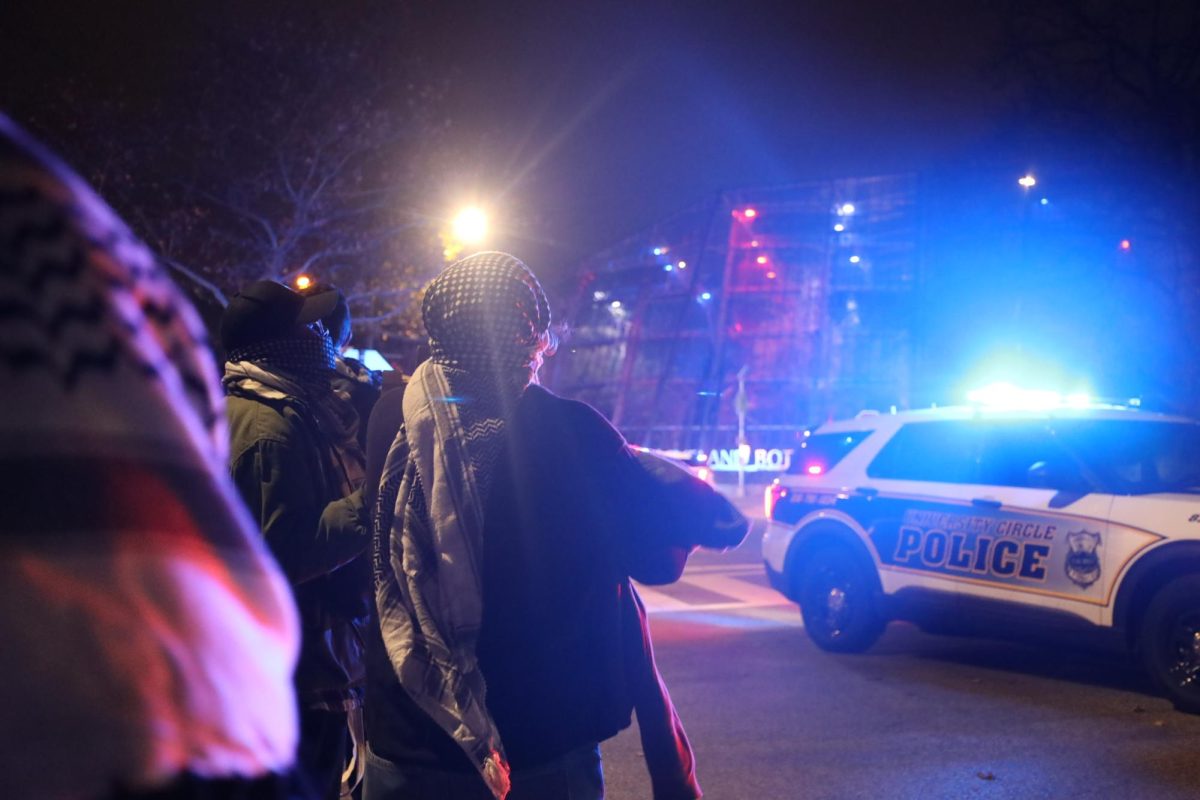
point(1006, 395)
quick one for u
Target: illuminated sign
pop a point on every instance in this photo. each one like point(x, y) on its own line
point(744, 459)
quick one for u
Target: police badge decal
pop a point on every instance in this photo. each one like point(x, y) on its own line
point(1083, 559)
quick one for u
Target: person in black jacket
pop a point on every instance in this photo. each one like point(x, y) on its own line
point(299, 468)
point(354, 382)
point(508, 524)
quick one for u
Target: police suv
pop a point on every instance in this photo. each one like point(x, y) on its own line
point(981, 519)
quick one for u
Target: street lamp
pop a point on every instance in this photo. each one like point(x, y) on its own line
point(468, 228)
point(1027, 181)
point(471, 225)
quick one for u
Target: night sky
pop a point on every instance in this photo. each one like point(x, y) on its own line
point(581, 123)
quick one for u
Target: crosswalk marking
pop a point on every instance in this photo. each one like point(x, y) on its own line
point(739, 583)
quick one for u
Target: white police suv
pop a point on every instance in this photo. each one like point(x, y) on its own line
point(983, 519)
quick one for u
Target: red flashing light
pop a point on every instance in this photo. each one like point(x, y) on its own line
point(814, 469)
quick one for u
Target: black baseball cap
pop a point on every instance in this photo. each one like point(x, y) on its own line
point(269, 310)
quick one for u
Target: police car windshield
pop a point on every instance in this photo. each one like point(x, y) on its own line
point(1136, 456)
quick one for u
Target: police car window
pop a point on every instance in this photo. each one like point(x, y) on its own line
point(1026, 454)
point(819, 453)
point(943, 451)
point(1132, 456)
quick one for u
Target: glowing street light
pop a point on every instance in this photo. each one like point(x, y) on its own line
point(470, 226)
point(1027, 181)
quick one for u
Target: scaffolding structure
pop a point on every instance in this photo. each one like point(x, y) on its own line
point(803, 289)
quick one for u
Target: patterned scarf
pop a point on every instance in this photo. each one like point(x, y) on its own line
point(306, 358)
point(146, 629)
point(487, 318)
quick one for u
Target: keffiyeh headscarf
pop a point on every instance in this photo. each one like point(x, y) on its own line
point(146, 631)
point(299, 369)
point(488, 322)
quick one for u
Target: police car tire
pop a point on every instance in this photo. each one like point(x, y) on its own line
point(1175, 607)
point(858, 625)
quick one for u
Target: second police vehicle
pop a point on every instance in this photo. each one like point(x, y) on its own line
point(984, 518)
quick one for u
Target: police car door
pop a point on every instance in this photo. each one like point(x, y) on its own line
point(1047, 516)
point(981, 512)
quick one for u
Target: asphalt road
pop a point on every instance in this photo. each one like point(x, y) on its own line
point(918, 716)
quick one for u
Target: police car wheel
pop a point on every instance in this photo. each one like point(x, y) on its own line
point(837, 601)
point(1169, 641)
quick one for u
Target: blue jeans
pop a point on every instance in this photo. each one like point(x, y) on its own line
point(578, 775)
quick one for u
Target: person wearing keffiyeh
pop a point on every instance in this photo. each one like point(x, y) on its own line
point(299, 468)
point(510, 641)
point(147, 637)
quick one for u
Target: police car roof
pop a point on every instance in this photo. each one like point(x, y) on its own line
point(878, 421)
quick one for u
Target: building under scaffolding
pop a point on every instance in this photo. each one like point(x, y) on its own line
point(796, 294)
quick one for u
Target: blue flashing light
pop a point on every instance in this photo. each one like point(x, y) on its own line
point(1045, 201)
point(1007, 396)
point(668, 267)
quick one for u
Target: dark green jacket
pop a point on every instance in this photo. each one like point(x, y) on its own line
point(280, 463)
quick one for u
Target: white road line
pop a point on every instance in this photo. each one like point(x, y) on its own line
point(658, 601)
point(725, 569)
point(723, 580)
point(749, 594)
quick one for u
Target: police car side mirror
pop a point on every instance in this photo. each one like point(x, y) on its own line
point(1055, 475)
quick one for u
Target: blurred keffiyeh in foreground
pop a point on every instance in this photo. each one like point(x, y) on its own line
point(147, 632)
